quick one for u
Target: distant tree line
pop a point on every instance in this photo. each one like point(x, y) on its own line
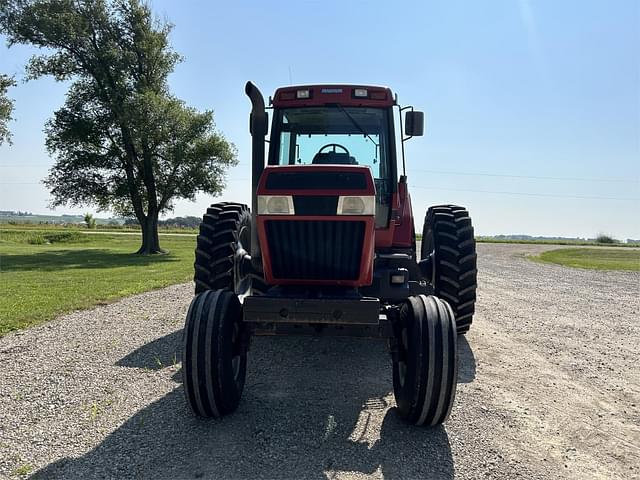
point(11, 213)
point(177, 222)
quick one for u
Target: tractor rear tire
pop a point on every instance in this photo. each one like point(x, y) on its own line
point(425, 363)
point(449, 247)
point(224, 229)
point(214, 359)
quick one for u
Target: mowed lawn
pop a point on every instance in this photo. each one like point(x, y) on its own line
point(45, 274)
point(594, 258)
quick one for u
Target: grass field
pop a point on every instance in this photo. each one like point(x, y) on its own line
point(586, 243)
point(593, 258)
point(99, 228)
point(44, 274)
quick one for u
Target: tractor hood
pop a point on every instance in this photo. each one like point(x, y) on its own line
point(316, 180)
point(316, 224)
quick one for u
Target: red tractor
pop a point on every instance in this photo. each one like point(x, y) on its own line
point(329, 247)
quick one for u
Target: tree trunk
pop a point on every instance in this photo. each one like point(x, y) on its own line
point(150, 238)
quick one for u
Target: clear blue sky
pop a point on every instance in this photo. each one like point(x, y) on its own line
point(511, 90)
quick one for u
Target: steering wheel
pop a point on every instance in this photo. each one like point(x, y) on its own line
point(334, 145)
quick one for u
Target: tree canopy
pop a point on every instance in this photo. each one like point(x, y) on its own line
point(121, 140)
point(6, 108)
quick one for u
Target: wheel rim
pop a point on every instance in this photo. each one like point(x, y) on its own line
point(402, 363)
point(242, 284)
point(430, 249)
point(244, 237)
point(235, 365)
point(236, 360)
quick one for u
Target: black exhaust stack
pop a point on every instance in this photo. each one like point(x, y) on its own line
point(258, 126)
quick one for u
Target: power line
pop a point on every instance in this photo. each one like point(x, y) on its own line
point(498, 192)
point(530, 194)
point(437, 172)
point(535, 177)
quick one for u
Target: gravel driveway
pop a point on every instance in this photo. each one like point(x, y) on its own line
point(549, 387)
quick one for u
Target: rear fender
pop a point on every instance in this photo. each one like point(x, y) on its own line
point(404, 233)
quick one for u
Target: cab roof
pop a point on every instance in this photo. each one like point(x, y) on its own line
point(345, 95)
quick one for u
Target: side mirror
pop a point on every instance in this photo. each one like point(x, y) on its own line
point(414, 123)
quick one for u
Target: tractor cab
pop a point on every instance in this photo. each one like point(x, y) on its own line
point(340, 125)
point(332, 126)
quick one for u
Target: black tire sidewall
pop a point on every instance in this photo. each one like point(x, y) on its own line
point(208, 346)
point(228, 389)
point(430, 381)
point(405, 394)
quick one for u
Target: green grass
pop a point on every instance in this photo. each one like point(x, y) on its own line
point(593, 258)
point(79, 228)
point(40, 280)
point(22, 470)
point(533, 241)
point(41, 237)
point(586, 243)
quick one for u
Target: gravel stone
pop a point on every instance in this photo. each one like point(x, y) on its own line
point(549, 387)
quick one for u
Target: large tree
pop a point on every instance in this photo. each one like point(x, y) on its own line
point(6, 108)
point(121, 141)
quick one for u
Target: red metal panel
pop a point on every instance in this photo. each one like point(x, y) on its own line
point(370, 189)
point(397, 234)
point(401, 216)
point(402, 235)
point(286, 97)
point(384, 236)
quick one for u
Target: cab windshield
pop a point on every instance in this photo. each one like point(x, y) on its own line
point(337, 135)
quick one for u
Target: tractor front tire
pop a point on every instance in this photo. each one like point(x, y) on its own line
point(225, 228)
point(449, 260)
point(214, 357)
point(425, 361)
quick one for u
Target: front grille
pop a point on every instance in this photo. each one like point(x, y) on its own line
point(315, 250)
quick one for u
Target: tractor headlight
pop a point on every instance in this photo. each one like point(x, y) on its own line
point(275, 205)
point(363, 205)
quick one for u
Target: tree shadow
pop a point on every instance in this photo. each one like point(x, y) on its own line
point(311, 406)
point(56, 260)
point(466, 361)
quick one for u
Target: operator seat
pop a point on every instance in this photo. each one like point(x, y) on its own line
point(333, 158)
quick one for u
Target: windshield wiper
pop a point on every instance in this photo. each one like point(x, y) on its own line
point(356, 124)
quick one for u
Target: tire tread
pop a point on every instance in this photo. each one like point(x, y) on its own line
point(216, 246)
point(456, 260)
point(205, 366)
point(427, 396)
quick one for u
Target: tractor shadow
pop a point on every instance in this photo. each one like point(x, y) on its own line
point(155, 355)
point(312, 407)
point(466, 361)
point(165, 351)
